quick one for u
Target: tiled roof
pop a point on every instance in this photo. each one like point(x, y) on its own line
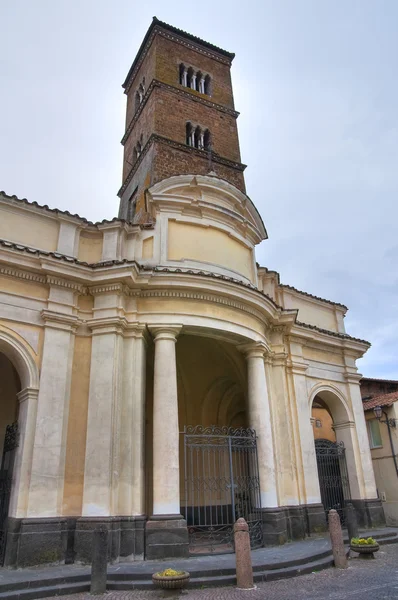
point(382, 400)
point(290, 287)
point(364, 379)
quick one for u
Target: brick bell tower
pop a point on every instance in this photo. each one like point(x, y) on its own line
point(180, 116)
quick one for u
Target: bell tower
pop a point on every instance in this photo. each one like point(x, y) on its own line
point(180, 116)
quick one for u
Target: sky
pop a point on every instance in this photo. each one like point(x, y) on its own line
point(316, 84)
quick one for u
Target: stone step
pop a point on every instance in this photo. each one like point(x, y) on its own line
point(35, 593)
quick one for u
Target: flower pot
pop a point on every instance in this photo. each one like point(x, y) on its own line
point(173, 582)
point(366, 550)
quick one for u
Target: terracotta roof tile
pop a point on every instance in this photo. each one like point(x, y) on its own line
point(382, 400)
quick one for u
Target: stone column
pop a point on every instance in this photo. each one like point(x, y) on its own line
point(166, 532)
point(260, 420)
point(274, 524)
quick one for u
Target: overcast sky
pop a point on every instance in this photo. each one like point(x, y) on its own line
point(315, 82)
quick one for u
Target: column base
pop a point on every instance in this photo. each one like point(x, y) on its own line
point(286, 523)
point(274, 526)
point(126, 537)
point(166, 537)
point(370, 513)
point(316, 518)
point(33, 542)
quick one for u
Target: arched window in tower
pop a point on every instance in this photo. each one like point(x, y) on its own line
point(200, 82)
point(189, 77)
point(137, 102)
point(207, 85)
point(198, 137)
point(207, 140)
point(183, 75)
point(189, 134)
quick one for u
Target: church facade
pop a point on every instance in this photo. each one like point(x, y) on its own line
point(154, 378)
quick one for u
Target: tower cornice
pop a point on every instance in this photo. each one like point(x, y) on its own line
point(217, 159)
point(178, 35)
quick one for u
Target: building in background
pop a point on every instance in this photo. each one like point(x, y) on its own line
point(154, 378)
point(380, 398)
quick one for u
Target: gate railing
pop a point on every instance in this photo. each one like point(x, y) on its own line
point(333, 476)
point(221, 484)
point(7, 463)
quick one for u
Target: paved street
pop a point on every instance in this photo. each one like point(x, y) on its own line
point(364, 579)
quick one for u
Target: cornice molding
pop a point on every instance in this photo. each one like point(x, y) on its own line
point(26, 275)
point(65, 283)
point(216, 158)
point(114, 288)
point(175, 38)
point(155, 83)
point(202, 296)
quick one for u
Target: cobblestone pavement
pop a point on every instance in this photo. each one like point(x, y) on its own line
point(371, 579)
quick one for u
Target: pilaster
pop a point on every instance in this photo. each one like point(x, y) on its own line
point(48, 463)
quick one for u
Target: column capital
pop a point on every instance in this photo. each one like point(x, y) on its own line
point(60, 320)
point(254, 349)
point(27, 393)
point(165, 332)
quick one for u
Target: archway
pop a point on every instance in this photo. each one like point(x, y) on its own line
point(331, 420)
point(218, 462)
point(19, 383)
point(10, 386)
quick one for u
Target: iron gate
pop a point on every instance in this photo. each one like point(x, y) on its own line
point(333, 476)
point(221, 484)
point(7, 463)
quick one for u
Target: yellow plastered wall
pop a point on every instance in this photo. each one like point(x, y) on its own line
point(90, 247)
point(325, 432)
point(323, 356)
point(23, 288)
point(29, 229)
point(310, 312)
point(77, 428)
point(9, 387)
point(208, 245)
point(384, 468)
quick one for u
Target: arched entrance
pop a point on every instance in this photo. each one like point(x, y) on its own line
point(19, 386)
point(10, 386)
point(330, 454)
point(219, 479)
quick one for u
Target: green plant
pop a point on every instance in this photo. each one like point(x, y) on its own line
point(363, 542)
point(170, 573)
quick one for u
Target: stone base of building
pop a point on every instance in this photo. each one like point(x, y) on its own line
point(292, 523)
point(370, 513)
point(69, 539)
point(65, 539)
point(166, 537)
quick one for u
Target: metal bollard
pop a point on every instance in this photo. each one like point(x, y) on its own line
point(100, 560)
point(336, 537)
point(244, 569)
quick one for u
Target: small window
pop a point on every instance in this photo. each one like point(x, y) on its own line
point(318, 423)
point(375, 440)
